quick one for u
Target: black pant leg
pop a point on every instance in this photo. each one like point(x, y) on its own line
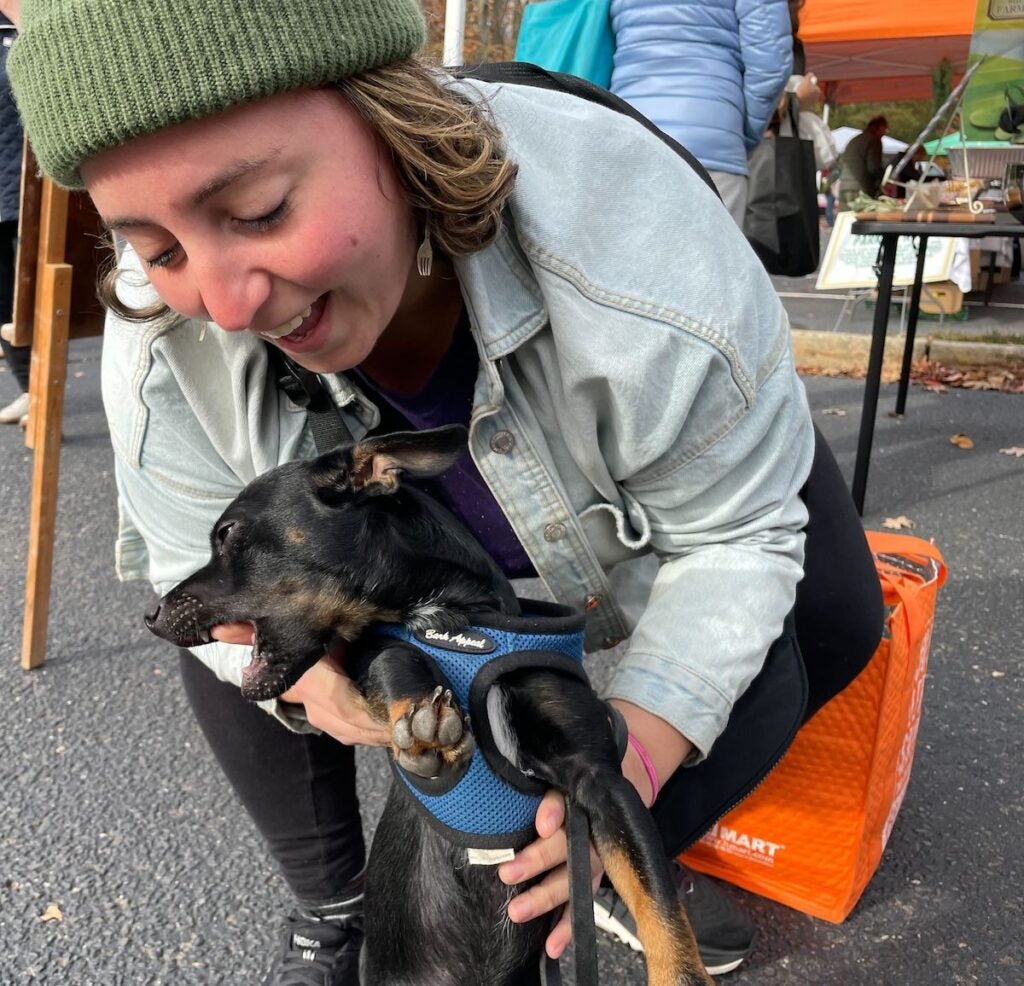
point(828, 638)
point(298, 788)
point(18, 357)
point(839, 613)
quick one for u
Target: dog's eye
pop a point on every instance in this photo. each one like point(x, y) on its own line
point(220, 535)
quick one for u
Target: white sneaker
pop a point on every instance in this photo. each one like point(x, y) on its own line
point(15, 411)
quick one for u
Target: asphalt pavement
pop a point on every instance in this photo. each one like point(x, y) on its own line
point(125, 859)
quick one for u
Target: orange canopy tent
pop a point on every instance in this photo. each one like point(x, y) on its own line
point(873, 52)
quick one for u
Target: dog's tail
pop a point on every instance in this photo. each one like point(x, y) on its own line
point(631, 852)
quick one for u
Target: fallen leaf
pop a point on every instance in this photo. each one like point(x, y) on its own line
point(1016, 450)
point(837, 411)
point(900, 523)
point(961, 441)
point(934, 387)
point(52, 913)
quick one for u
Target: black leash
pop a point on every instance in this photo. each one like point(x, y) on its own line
point(305, 389)
point(581, 894)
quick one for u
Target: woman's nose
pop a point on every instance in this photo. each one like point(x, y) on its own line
point(231, 294)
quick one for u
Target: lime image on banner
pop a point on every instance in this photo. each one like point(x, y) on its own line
point(993, 108)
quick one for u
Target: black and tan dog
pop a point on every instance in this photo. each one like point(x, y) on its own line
point(315, 552)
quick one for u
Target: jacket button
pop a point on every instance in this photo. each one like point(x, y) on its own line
point(610, 642)
point(554, 532)
point(592, 603)
point(502, 442)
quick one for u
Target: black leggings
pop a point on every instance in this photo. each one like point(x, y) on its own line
point(300, 789)
point(18, 357)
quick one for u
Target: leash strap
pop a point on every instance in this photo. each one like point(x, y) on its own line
point(306, 389)
point(581, 905)
point(581, 896)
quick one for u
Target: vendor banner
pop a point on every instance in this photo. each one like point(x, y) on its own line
point(993, 107)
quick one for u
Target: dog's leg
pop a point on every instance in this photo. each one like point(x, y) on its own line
point(429, 733)
point(566, 739)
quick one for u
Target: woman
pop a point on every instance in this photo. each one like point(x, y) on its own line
point(539, 268)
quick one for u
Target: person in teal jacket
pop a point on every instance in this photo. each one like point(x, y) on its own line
point(707, 72)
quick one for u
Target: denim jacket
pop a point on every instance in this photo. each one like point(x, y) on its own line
point(637, 414)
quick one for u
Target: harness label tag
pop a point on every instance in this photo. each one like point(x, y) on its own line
point(464, 641)
point(489, 857)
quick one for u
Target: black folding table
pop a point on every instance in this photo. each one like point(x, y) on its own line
point(1005, 225)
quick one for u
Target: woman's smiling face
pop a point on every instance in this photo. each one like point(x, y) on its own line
point(281, 217)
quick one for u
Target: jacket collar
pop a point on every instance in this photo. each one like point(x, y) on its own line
point(502, 296)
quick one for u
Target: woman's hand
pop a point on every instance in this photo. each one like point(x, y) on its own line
point(546, 855)
point(330, 697)
point(667, 749)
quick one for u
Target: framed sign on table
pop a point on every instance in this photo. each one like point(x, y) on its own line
point(850, 260)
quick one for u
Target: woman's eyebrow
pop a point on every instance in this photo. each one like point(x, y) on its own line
point(231, 174)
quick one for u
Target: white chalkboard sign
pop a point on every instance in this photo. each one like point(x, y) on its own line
point(849, 259)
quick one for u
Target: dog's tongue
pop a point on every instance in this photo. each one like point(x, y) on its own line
point(256, 663)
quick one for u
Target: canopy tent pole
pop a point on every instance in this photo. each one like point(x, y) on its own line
point(454, 32)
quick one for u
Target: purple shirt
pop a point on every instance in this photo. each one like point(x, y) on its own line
point(446, 399)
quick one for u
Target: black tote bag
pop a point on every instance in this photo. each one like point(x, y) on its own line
point(781, 220)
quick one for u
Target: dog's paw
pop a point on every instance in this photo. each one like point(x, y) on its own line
point(430, 735)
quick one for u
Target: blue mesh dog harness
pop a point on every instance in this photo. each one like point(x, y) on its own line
point(491, 803)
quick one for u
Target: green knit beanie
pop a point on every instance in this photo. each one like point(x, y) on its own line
point(88, 75)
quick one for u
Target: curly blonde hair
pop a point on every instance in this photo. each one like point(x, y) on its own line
point(446, 151)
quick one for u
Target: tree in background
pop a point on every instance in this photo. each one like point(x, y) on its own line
point(942, 83)
point(492, 27)
point(907, 117)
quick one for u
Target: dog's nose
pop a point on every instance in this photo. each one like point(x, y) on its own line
point(152, 615)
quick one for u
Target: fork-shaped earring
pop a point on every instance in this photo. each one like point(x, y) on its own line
point(425, 254)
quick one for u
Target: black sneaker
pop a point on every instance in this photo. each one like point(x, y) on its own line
point(724, 933)
point(318, 951)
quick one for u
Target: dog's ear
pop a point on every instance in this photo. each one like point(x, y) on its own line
point(330, 474)
point(378, 463)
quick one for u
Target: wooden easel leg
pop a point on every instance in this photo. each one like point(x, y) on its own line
point(49, 373)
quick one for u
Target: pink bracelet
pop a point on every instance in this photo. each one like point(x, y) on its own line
point(652, 774)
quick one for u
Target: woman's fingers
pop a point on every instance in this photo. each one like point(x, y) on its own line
point(331, 699)
point(544, 853)
point(545, 856)
point(233, 633)
point(550, 814)
point(333, 704)
point(561, 934)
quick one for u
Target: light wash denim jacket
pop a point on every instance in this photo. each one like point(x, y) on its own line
point(637, 413)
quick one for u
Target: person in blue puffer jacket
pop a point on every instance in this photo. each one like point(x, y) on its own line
point(707, 72)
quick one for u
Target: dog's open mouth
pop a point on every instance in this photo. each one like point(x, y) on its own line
point(258, 675)
point(255, 667)
point(266, 675)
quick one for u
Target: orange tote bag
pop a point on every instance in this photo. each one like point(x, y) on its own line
point(812, 835)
